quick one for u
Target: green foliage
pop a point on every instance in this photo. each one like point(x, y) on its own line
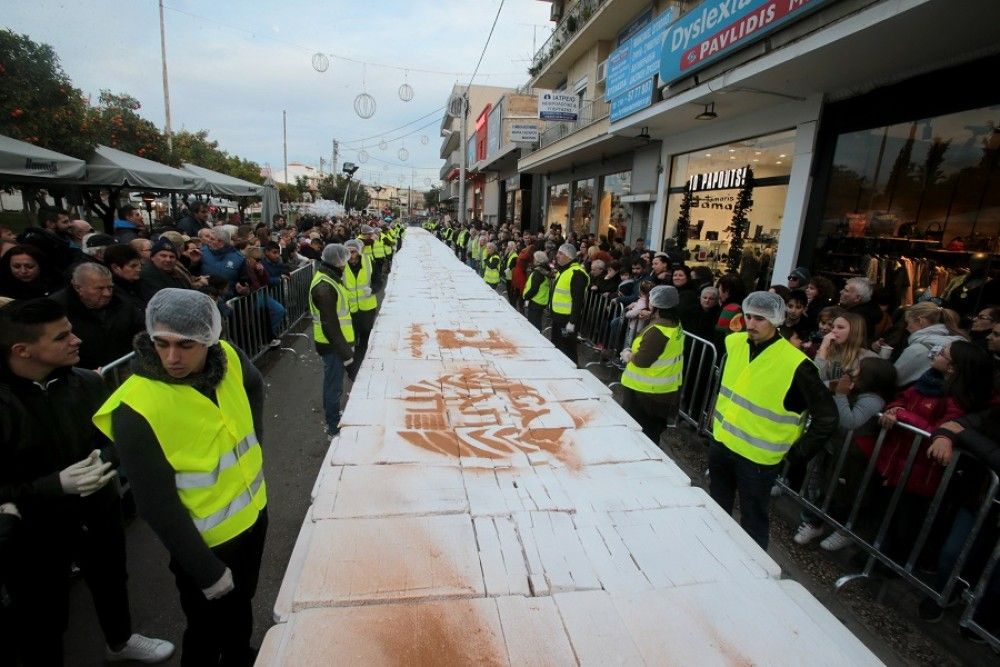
point(432, 197)
point(289, 192)
point(334, 186)
point(684, 219)
point(38, 103)
point(118, 125)
point(741, 223)
point(197, 148)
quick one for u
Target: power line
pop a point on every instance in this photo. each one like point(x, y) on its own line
point(488, 37)
point(379, 136)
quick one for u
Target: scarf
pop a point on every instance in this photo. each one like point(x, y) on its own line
point(931, 383)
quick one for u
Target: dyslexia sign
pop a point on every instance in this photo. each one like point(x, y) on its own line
point(719, 27)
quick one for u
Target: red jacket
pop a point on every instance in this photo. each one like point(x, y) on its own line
point(522, 267)
point(925, 413)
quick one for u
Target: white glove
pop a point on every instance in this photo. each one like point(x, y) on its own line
point(86, 476)
point(223, 586)
point(626, 355)
point(570, 328)
point(348, 362)
point(366, 291)
point(10, 508)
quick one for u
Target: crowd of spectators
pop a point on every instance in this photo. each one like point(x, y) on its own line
point(933, 364)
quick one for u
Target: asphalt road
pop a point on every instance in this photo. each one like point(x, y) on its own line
point(294, 445)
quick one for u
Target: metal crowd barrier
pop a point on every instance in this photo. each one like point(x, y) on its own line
point(877, 548)
point(247, 325)
point(700, 384)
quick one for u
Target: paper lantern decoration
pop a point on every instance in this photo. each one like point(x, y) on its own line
point(320, 62)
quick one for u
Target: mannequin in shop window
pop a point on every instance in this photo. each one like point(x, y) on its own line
point(976, 288)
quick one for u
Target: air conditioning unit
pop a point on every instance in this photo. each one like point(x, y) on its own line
point(556, 11)
point(602, 72)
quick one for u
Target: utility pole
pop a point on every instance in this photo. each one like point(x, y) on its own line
point(166, 87)
point(284, 139)
point(462, 157)
point(335, 155)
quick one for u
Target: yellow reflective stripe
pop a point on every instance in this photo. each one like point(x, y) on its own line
point(195, 480)
point(651, 380)
point(219, 516)
point(759, 410)
point(746, 437)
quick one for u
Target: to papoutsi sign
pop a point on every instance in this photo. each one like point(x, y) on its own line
point(718, 27)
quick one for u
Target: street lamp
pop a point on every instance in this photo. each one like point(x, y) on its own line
point(349, 168)
point(148, 198)
point(378, 190)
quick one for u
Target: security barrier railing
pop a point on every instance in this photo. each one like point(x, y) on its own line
point(701, 382)
point(248, 323)
point(832, 478)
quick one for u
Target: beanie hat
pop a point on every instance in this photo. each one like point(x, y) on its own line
point(161, 245)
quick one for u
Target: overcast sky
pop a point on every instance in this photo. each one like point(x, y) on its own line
point(234, 66)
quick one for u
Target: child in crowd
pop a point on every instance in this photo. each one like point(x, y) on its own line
point(796, 328)
point(843, 348)
point(824, 325)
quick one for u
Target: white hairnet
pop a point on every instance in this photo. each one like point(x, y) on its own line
point(663, 297)
point(540, 258)
point(354, 243)
point(336, 254)
point(568, 249)
point(768, 305)
point(183, 314)
point(367, 229)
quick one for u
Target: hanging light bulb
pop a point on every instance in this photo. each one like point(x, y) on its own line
point(424, 139)
point(403, 154)
point(320, 62)
point(382, 145)
point(362, 156)
point(406, 90)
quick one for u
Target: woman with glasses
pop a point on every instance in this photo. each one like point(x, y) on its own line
point(982, 324)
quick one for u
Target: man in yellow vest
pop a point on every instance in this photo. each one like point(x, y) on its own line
point(568, 296)
point(655, 366)
point(491, 265)
point(361, 284)
point(333, 330)
point(769, 392)
point(537, 288)
point(188, 427)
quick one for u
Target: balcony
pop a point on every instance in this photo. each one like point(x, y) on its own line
point(590, 112)
point(583, 25)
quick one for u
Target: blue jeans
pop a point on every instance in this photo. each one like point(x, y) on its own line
point(276, 315)
point(730, 474)
point(333, 389)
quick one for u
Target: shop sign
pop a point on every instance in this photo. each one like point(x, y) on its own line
point(718, 180)
point(527, 132)
point(719, 27)
point(493, 132)
point(635, 25)
point(637, 59)
point(636, 99)
point(554, 105)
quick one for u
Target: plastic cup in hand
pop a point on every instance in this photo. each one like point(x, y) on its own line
point(885, 352)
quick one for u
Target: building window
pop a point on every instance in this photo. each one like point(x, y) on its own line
point(612, 215)
point(583, 207)
point(557, 211)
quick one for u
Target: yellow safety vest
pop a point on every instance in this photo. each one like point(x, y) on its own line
point(562, 297)
point(462, 236)
point(378, 248)
point(388, 243)
point(542, 295)
point(355, 285)
point(343, 309)
point(750, 415)
point(366, 249)
point(491, 269)
point(509, 266)
point(212, 447)
point(664, 375)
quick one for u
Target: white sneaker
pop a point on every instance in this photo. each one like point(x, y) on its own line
point(807, 533)
point(142, 649)
point(835, 541)
point(275, 343)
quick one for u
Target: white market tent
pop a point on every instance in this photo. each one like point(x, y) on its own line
point(223, 184)
point(24, 162)
point(111, 167)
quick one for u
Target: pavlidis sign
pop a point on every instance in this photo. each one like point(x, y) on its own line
point(718, 27)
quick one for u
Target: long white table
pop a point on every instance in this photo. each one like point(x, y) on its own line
point(486, 502)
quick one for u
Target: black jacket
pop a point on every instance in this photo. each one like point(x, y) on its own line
point(325, 297)
point(106, 333)
point(44, 428)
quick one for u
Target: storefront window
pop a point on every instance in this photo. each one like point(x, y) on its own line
point(583, 206)
point(612, 214)
point(715, 176)
point(514, 209)
point(933, 179)
point(557, 212)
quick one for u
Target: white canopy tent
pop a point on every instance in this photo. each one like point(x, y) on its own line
point(223, 184)
point(23, 162)
point(114, 168)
